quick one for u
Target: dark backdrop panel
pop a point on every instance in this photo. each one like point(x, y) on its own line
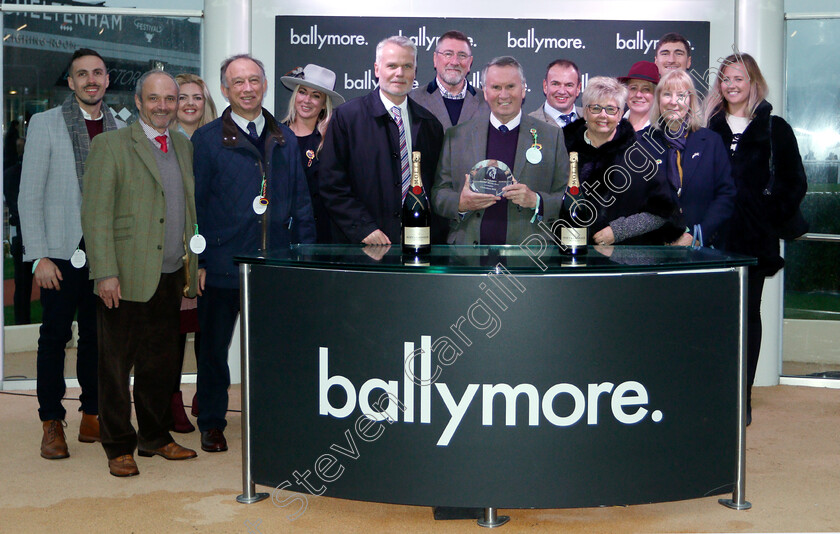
point(676, 335)
point(347, 46)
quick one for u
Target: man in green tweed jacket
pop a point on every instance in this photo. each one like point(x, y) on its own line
point(137, 212)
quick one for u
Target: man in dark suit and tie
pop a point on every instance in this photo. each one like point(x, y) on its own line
point(365, 169)
point(137, 210)
point(450, 96)
point(532, 149)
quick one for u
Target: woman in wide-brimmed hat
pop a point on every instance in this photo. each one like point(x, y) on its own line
point(309, 111)
point(641, 83)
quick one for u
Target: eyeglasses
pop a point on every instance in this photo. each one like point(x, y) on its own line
point(449, 54)
point(595, 109)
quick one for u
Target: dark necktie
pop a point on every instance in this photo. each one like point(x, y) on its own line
point(162, 140)
point(252, 130)
point(504, 129)
point(566, 119)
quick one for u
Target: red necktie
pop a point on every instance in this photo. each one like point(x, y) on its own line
point(162, 140)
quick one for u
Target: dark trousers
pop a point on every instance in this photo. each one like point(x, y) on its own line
point(142, 335)
point(23, 282)
point(217, 309)
point(755, 286)
point(59, 308)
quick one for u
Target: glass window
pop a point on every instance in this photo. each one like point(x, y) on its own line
point(36, 51)
point(812, 279)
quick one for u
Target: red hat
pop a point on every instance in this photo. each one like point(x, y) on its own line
point(642, 70)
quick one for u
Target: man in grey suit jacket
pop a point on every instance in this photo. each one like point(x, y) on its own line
point(561, 87)
point(450, 97)
point(506, 135)
point(50, 202)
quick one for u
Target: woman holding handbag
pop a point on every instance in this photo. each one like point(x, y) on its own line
point(769, 178)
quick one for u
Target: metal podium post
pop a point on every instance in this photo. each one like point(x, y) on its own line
point(737, 502)
point(249, 494)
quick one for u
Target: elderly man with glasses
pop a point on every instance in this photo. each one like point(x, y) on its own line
point(450, 96)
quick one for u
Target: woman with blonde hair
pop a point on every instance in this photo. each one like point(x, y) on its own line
point(195, 105)
point(309, 112)
point(695, 163)
point(769, 178)
point(195, 109)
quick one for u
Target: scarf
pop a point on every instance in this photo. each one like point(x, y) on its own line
point(676, 145)
point(77, 129)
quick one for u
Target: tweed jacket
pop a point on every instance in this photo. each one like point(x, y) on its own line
point(465, 145)
point(430, 98)
point(50, 197)
point(123, 210)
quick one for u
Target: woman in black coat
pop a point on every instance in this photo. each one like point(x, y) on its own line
point(738, 112)
point(695, 161)
point(309, 112)
point(630, 207)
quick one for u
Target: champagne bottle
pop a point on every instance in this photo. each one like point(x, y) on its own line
point(416, 215)
point(573, 237)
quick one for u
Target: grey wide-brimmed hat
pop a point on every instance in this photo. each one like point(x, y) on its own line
point(317, 78)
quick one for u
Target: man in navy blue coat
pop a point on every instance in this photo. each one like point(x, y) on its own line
point(361, 173)
point(251, 196)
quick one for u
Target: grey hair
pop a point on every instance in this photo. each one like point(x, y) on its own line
point(138, 89)
point(399, 40)
point(602, 89)
point(226, 63)
point(504, 61)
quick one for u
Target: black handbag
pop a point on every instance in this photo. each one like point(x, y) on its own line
point(796, 226)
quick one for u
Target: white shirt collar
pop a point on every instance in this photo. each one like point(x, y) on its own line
point(555, 113)
point(151, 134)
point(511, 124)
point(88, 116)
point(388, 105)
point(242, 122)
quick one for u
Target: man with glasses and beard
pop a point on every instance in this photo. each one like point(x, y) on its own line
point(450, 96)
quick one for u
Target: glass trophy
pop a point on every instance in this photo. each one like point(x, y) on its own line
point(490, 176)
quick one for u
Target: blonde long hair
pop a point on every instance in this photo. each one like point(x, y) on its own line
point(323, 117)
point(677, 80)
point(715, 103)
point(209, 106)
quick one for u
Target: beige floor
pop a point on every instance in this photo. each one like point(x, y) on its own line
point(793, 482)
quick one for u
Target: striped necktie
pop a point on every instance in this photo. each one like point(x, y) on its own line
point(406, 170)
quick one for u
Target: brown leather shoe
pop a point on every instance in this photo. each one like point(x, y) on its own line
point(180, 423)
point(194, 408)
point(123, 466)
point(213, 440)
point(89, 428)
point(54, 444)
point(171, 451)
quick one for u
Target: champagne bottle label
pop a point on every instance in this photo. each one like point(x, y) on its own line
point(416, 236)
point(575, 237)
